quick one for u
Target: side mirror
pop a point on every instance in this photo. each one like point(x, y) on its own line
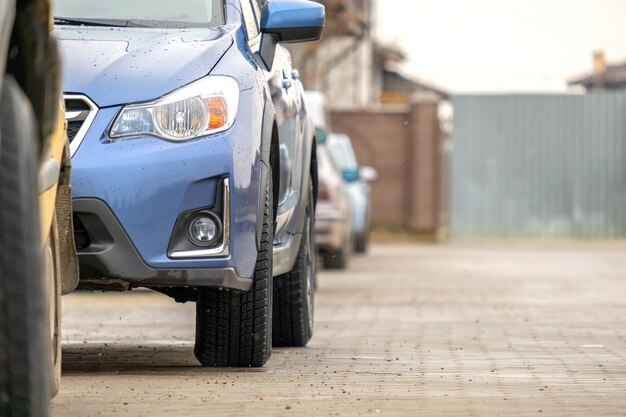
point(320, 135)
point(289, 21)
point(368, 174)
point(350, 175)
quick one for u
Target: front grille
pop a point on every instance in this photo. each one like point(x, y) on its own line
point(72, 129)
point(78, 111)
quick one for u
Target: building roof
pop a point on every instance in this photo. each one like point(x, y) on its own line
point(613, 77)
point(395, 82)
point(385, 53)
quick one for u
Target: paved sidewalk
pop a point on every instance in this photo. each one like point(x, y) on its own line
point(460, 330)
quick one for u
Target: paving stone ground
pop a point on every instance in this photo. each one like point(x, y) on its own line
point(468, 329)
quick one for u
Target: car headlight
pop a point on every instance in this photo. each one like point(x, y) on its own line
point(204, 107)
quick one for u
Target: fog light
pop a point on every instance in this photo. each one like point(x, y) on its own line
point(204, 229)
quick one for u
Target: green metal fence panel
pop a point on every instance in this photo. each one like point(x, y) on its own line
point(539, 166)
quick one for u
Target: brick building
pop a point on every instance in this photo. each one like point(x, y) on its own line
point(406, 145)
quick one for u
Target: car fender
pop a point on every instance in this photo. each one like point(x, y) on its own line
point(267, 163)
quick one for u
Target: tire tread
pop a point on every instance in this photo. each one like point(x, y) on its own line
point(291, 322)
point(233, 329)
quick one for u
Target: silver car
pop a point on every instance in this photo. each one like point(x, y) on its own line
point(357, 185)
point(333, 216)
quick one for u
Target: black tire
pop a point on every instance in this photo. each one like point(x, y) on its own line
point(294, 292)
point(361, 243)
point(234, 329)
point(338, 259)
point(24, 333)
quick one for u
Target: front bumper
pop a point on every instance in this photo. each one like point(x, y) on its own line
point(139, 188)
point(112, 255)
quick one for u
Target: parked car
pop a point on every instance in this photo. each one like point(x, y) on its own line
point(37, 253)
point(358, 181)
point(333, 224)
point(316, 108)
point(194, 162)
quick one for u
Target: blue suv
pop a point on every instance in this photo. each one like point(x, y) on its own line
point(194, 167)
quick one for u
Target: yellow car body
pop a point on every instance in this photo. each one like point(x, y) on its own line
point(53, 157)
point(34, 182)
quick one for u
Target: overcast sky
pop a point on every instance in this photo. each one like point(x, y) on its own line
point(502, 45)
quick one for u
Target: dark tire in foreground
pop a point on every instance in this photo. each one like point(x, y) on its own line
point(234, 329)
point(294, 292)
point(24, 333)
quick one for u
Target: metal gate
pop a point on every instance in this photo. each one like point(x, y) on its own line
point(550, 166)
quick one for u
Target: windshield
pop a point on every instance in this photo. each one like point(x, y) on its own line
point(150, 13)
point(342, 153)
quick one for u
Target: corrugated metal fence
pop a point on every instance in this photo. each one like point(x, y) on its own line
point(539, 166)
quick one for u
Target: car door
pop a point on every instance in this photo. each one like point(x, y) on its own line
point(284, 98)
point(284, 89)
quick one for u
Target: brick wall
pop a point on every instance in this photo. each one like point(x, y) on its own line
point(404, 144)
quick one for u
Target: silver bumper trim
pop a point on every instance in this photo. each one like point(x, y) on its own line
point(69, 115)
point(221, 251)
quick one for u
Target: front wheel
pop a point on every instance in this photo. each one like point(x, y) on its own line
point(294, 292)
point(234, 329)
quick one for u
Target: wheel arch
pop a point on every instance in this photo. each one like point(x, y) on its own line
point(270, 160)
point(309, 172)
point(313, 171)
point(275, 165)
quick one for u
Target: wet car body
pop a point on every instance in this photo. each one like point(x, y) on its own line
point(136, 203)
point(194, 162)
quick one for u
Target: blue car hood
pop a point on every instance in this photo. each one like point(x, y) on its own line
point(114, 66)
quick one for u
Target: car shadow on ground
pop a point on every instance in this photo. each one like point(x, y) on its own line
point(79, 358)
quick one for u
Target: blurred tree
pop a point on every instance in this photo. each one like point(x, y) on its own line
point(347, 17)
